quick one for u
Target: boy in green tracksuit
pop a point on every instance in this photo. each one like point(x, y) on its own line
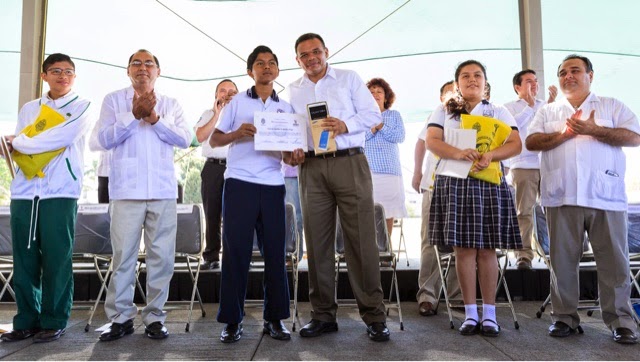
point(43, 208)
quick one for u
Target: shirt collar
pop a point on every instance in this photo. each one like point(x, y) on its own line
point(57, 103)
point(592, 97)
point(130, 92)
point(252, 93)
point(330, 73)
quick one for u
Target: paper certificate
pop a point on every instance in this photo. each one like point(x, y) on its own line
point(462, 139)
point(280, 131)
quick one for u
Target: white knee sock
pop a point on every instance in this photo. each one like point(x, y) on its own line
point(471, 312)
point(489, 313)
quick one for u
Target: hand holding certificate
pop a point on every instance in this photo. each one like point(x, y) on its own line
point(462, 139)
point(279, 131)
point(5, 151)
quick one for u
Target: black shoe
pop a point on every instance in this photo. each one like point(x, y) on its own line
point(156, 330)
point(469, 329)
point(378, 331)
point(231, 333)
point(276, 330)
point(561, 329)
point(316, 328)
point(211, 264)
point(492, 330)
point(117, 331)
point(624, 336)
point(19, 334)
point(48, 335)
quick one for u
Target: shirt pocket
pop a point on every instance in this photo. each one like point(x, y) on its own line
point(553, 187)
point(608, 187)
point(555, 126)
point(339, 101)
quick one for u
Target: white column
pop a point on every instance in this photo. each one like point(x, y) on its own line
point(530, 12)
point(32, 49)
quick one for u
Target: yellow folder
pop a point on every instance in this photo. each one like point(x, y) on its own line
point(491, 134)
point(32, 165)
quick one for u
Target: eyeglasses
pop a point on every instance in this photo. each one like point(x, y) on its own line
point(138, 63)
point(58, 71)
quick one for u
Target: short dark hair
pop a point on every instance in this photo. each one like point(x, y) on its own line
point(308, 36)
point(254, 55)
point(54, 58)
point(389, 96)
point(225, 80)
point(587, 63)
point(487, 90)
point(517, 78)
point(144, 51)
point(445, 86)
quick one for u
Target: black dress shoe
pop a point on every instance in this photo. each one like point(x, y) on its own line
point(492, 330)
point(561, 329)
point(18, 334)
point(117, 331)
point(231, 333)
point(211, 264)
point(469, 329)
point(156, 330)
point(624, 336)
point(276, 330)
point(378, 331)
point(316, 328)
point(426, 309)
point(48, 335)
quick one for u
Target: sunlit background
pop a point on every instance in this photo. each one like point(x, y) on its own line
point(415, 45)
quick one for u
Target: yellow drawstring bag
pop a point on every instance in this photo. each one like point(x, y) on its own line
point(491, 134)
point(32, 165)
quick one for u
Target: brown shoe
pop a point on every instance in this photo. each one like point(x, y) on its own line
point(523, 263)
point(426, 309)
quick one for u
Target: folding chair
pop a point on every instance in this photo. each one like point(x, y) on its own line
point(542, 246)
point(388, 261)
point(92, 248)
point(292, 245)
point(189, 248)
point(6, 253)
point(446, 257)
point(402, 243)
point(633, 214)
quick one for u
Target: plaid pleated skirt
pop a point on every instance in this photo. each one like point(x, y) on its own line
point(470, 213)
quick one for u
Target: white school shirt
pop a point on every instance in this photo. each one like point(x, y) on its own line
point(141, 153)
point(523, 114)
point(582, 171)
point(441, 118)
point(243, 161)
point(64, 173)
point(430, 162)
point(207, 150)
point(348, 99)
point(104, 161)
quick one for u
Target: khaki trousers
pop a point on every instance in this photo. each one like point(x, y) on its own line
point(527, 185)
point(429, 276)
point(343, 183)
point(607, 232)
